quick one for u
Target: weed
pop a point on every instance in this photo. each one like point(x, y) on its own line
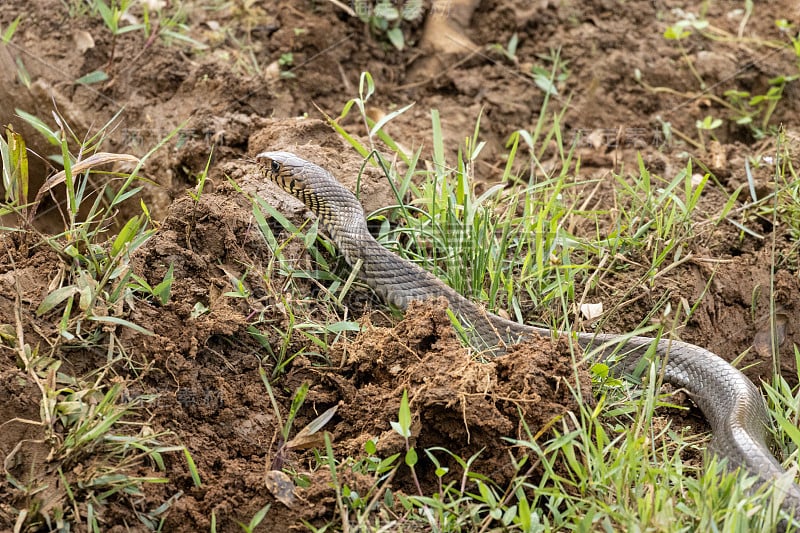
point(286, 61)
point(384, 18)
point(256, 520)
point(509, 50)
point(119, 19)
point(681, 30)
point(5, 38)
point(707, 127)
point(403, 428)
point(332, 291)
point(754, 111)
point(7, 34)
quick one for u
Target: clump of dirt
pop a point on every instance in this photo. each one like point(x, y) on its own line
point(203, 368)
point(459, 403)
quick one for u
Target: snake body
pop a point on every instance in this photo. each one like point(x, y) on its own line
point(730, 402)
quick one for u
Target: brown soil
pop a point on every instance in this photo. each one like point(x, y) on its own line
point(204, 370)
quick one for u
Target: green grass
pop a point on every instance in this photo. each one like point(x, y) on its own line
point(312, 325)
point(99, 444)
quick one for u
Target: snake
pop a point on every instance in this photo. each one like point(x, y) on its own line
point(731, 403)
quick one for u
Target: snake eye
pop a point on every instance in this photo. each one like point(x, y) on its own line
point(275, 166)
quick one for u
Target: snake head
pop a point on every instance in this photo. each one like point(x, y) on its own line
point(315, 187)
point(285, 170)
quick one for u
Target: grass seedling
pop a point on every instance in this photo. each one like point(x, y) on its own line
point(707, 127)
point(113, 14)
point(8, 33)
point(509, 50)
point(286, 62)
point(403, 428)
point(256, 520)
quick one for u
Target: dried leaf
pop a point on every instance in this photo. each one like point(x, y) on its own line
point(95, 160)
point(83, 40)
point(281, 486)
point(308, 437)
point(591, 311)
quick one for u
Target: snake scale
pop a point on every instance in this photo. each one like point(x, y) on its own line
point(731, 403)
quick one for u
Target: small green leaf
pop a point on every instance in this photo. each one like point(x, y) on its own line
point(199, 309)
point(192, 468)
point(675, 33)
point(397, 427)
point(52, 136)
point(96, 76)
point(412, 10)
point(486, 494)
point(790, 429)
point(385, 10)
point(395, 36)
point(125, 236)
point(366, 87)
point(411, 457)
point(370, 447)
point(513, 42)
point(122, 322)
point(9, 32)
point(542, 80)
point(386, 118)
point(55, 298)
point(403, 426)
point(259, 516)
point(509, 515)
point(344, 325)
point(162, 290)
point(600, 370)
point(386, 464)
point(22, 73)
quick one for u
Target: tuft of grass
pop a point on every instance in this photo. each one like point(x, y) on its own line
point(300, 329)
point(100, 446)
point(121, 17)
